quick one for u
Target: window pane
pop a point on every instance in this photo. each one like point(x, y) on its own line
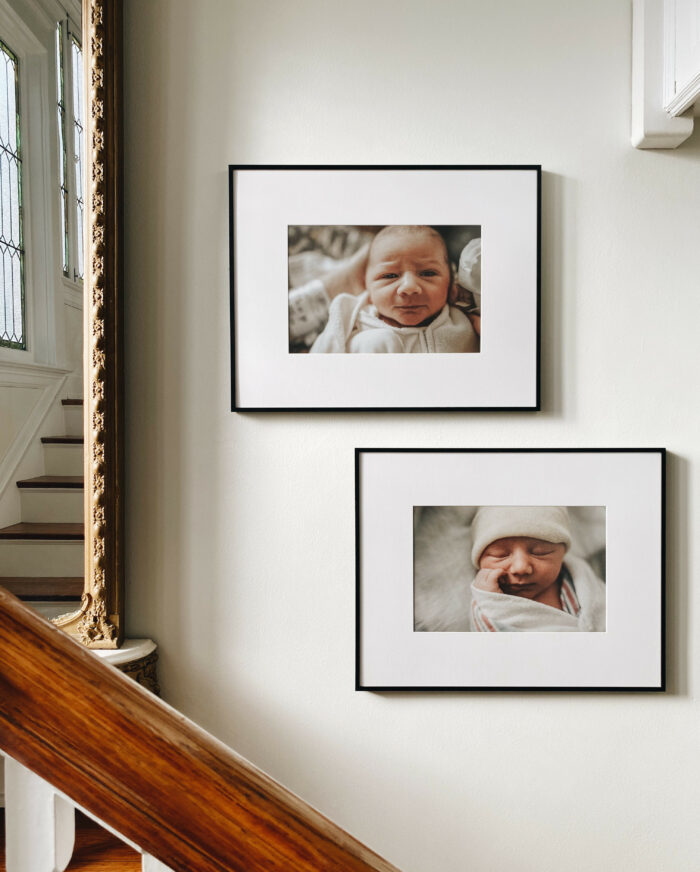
point(79, 147)
point(12, 329)
point(62, 155)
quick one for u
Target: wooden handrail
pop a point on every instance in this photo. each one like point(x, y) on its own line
point(148, 772)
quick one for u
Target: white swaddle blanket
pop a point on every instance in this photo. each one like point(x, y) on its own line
point(353, 326)
point(504, 612)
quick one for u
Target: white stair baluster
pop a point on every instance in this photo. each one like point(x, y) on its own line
point(39, 824)
point(150, 864)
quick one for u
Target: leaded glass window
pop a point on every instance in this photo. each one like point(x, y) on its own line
point(69, 76)
point(62, 156)
point(12, 326)
point(79, 146)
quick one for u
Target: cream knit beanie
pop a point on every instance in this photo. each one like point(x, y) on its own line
point(550, 523)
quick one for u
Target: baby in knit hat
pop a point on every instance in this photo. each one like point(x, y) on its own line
point(526, 578)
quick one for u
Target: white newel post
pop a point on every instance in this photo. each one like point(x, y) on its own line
point(39, 823)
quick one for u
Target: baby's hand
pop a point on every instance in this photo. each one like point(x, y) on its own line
point(461, 297)
point(488, 580)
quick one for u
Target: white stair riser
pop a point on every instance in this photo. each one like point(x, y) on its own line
point(73, 416)
point(52, 505)
point(63, 459)
point(41, 557)
point(73, 386)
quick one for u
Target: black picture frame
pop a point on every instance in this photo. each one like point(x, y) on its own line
point(238, 405)
point(655, 687)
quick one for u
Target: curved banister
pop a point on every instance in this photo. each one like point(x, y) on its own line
point(148, 772)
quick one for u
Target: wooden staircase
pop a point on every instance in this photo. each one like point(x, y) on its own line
point(178, 795)
point(41, 557)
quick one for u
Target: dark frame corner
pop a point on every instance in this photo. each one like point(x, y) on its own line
point(237, 407)
point(662, 687)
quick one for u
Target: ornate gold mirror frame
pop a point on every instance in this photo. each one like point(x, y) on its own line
point(99, 623)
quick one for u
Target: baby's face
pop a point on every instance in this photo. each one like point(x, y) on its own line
point(408, 277)
point(529, 566)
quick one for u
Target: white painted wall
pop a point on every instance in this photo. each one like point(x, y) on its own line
point(240, 528)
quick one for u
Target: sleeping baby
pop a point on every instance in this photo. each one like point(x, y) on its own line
point(405, 307)
point(526, 580)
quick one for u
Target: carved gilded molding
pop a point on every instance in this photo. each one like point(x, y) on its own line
point(99, 621)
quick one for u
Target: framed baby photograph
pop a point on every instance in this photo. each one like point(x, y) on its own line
point(360, 287)
point(510, 569)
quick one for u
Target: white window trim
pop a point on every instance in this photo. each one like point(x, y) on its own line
point(654, 125)
point(67, 35)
